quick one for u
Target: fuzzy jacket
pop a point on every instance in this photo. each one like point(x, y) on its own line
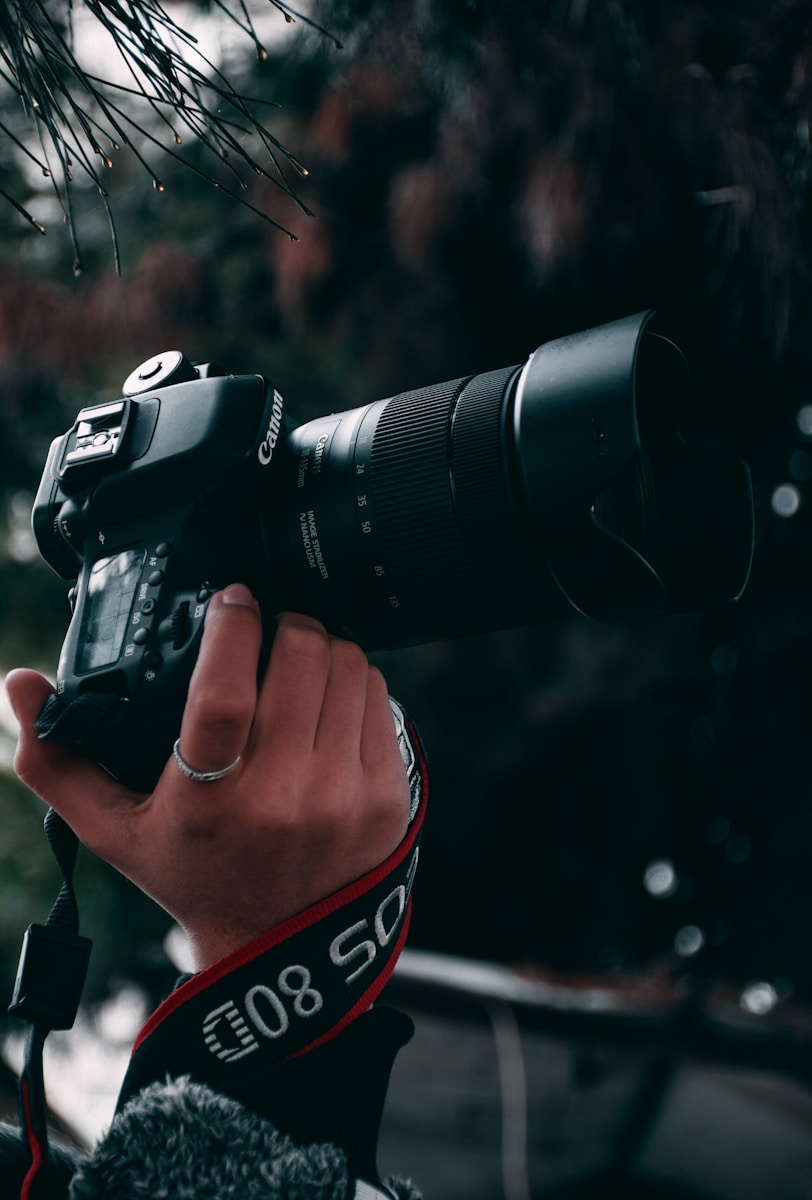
point(184, 1141)
point(305, 1128)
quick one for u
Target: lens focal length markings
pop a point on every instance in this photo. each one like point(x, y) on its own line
point(407, 525)
point(377, 577)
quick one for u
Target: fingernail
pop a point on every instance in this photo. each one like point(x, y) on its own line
point(239, 595)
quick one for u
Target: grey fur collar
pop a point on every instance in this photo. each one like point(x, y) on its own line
point(180, 1140)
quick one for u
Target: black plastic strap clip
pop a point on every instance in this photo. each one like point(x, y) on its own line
point(50, 977)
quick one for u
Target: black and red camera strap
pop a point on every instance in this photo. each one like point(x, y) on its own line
point(291, 990)
point(50, 977)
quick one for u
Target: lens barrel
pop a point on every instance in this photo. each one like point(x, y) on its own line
point(496, 499)
point(406, 525)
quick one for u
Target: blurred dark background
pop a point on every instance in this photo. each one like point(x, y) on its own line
point(608, 800)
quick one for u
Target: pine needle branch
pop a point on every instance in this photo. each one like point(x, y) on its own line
point(75, 111)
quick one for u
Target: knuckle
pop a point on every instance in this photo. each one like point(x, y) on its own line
point(388, 791)
point(299, 621)
point(36, 763)
point(220, 712)
point(24, 768)
point(337, 801)
point(303, 637)
point(389, 822)
point(348, 656)
point(377, 682)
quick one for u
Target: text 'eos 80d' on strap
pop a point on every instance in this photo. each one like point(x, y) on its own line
point(289, 990)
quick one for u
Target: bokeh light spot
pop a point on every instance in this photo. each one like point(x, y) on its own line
point(660, 878)
point(758, 997)
point(689, 940)
point(786, 500)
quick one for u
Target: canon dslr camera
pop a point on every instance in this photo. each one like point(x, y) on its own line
point(479, 504)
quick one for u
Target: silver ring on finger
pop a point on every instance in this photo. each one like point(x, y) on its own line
point(202, 776)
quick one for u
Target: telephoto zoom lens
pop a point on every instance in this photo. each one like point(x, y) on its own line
point(494, 500)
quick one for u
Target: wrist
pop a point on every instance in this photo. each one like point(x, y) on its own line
point(208, 946)
point(287, 992)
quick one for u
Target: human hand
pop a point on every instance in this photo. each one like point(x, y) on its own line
point(320, 795)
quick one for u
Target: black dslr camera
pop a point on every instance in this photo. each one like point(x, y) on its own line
point(480, 504)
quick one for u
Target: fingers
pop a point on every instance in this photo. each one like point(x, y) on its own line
point(27, 693)
point(345, 699)
point(315, 693)
point(378, 737)
point(222, 697)
point(321, 701)
point(293, 691)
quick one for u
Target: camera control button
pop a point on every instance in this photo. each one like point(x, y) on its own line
point(140, 636)
point(152, 658)
point(162, 549)
point(179, 625)
point(71, 523)
point(147, 606)
point(204, 594)
point(159, 371)
point(154, 578)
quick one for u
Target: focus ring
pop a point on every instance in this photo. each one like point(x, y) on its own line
point(443, 513)
point(479, 458)
point(412, 490)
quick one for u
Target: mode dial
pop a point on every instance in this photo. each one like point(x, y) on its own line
point(159, 371)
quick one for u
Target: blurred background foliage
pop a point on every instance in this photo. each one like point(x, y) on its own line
point(486, 175)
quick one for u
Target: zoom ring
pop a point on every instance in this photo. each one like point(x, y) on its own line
point(443, 509)
point(413, 503)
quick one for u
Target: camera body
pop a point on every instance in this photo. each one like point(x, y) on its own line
point(147, 503)
point(562, 484)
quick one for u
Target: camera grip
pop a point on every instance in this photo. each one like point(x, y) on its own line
point(130, 744)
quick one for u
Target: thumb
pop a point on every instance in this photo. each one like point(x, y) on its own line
point(27, 692)
point(73, 786)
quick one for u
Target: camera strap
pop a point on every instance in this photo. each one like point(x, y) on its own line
point(50, 977)
point(294, 988)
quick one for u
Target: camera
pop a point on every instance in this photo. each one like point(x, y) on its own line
point(562, 484)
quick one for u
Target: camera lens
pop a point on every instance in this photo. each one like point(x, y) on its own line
point(501, 498)
point(406, 523)
point(628, 508)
